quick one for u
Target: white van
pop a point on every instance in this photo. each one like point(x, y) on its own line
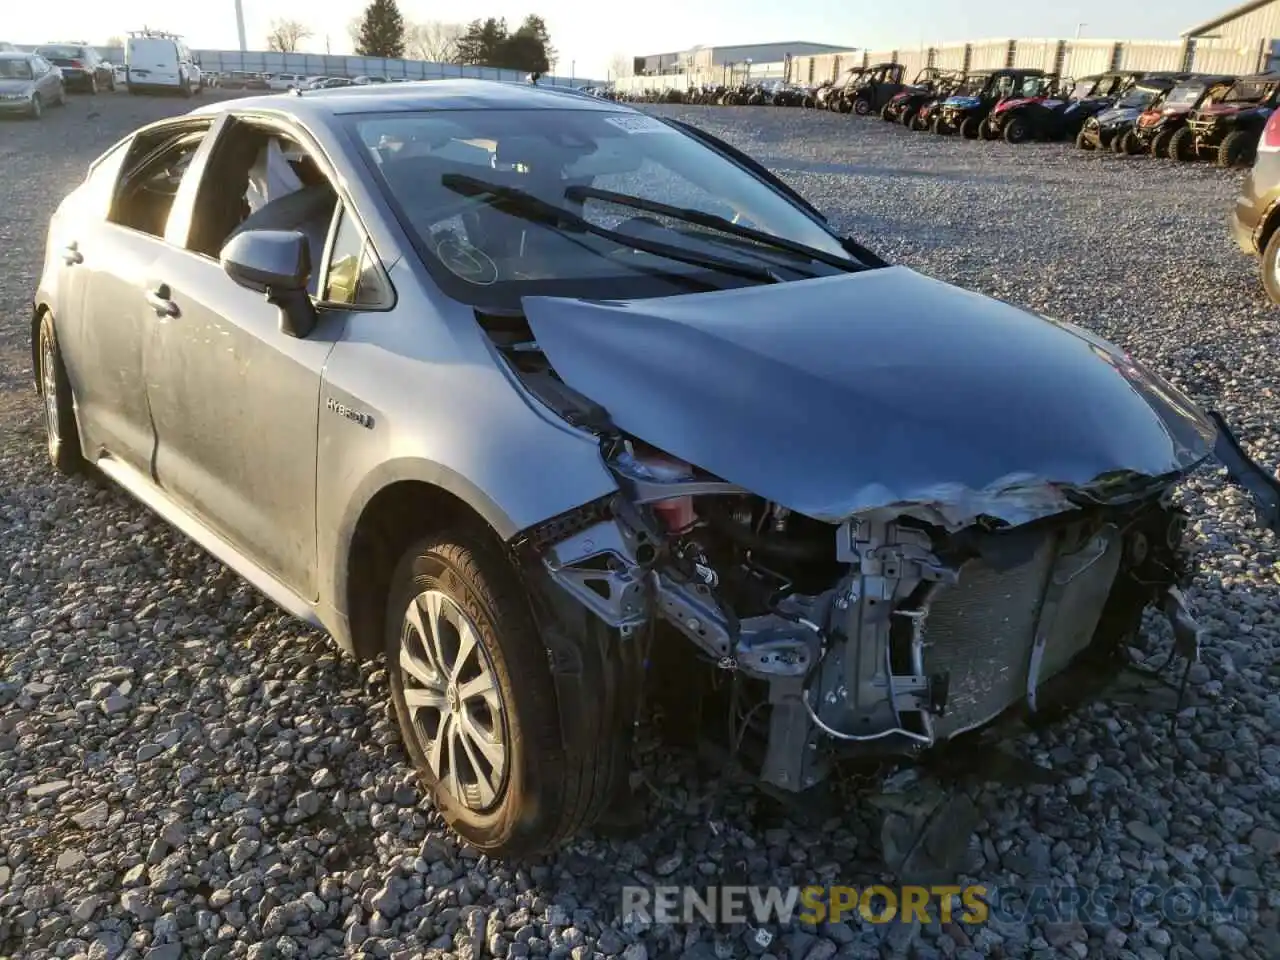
point(160, 62)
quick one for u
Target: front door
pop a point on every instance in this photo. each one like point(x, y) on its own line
point(234, 400)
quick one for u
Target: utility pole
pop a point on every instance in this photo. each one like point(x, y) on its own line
point(240, 25)
point(1079, 27)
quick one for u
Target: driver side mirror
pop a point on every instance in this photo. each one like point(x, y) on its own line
point(276, 263)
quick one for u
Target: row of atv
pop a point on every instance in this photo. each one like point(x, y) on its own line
point(1182, 116)
point(1189, 117)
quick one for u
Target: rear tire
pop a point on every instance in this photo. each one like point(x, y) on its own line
point(502, 703)
point(1182, 145)
point(971, 128)
point(62, 433)
point(938, 127)
point(1237, 149)
point(862, 107)
point(1084, 141)
point(1128, 144)
point(984, 130)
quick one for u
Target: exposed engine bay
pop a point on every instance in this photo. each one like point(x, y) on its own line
point(880, 636)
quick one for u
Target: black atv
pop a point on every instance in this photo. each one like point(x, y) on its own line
point(966, 111)
point(1102, 128)
point(1156, 126)
point(840, 98)
point(1229, 129)
point(876, 87)
point(903, 104)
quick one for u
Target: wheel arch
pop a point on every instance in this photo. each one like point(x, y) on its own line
point(1267, 225)
point(38, 310)
point(400, 502)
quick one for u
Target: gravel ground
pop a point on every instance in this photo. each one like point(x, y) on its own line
point(184, 771)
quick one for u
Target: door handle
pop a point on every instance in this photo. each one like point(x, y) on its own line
point(71, 254)
point(160, 301)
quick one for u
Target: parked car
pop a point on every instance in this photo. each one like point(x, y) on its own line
point(789, 95)
point(81, 65)
point(28, 84)
point(158, 62)
point(1256, 214)
point(286, 81)
point(1154, 129)
point(875, 86)
point(1228, 130)
point(966, 111)
point(1110, 125)
point(482, 411)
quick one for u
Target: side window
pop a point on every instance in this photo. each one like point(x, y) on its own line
point(354, 277)
point(154, 171)
point(104, 174)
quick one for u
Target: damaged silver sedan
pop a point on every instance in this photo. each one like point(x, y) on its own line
point(558, 405)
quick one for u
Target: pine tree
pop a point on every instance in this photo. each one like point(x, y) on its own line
point(381, 31)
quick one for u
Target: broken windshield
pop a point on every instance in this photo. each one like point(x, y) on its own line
point(507, 234)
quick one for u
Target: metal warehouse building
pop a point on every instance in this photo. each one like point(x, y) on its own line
point(1252, 28)
point(708, 59)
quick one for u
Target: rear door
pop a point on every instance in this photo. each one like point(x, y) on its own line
point(116, 257)
point(154, 60)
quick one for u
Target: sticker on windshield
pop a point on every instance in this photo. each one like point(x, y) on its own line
point(638, 124)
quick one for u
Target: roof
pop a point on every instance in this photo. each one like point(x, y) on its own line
point(1233, 14)
point(452, 94)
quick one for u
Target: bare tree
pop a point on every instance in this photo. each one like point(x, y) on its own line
point(285, 36)
point(620, 66)
point(353, 30)
point(433, 41)
point(115, 41)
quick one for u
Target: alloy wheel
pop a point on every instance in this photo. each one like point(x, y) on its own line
point(49, 387)
point(451, 691)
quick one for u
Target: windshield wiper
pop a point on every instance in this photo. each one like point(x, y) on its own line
point(525, 206)
point(714, 222)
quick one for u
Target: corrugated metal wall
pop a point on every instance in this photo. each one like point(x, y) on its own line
point(951, 56)
point(1249, 30)
point(1087, 57)
point(1227, 56)
point(914, 61)
point(1036, 54)
point(989, 55)
point(881, 56)
point(1152, 55)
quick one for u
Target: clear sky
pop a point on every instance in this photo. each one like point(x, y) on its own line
point(590, 34)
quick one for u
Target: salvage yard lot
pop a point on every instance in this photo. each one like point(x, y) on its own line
point(185, 769)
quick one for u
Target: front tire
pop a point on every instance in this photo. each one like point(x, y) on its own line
point(477, 704)
point(971, 128)
point(62, 434)
point(862, 107)
point(36, 110)
point(1016, 131)
point(1237, 149)
point(1182, 145)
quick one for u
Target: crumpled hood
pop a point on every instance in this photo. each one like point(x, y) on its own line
point(841, 394)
